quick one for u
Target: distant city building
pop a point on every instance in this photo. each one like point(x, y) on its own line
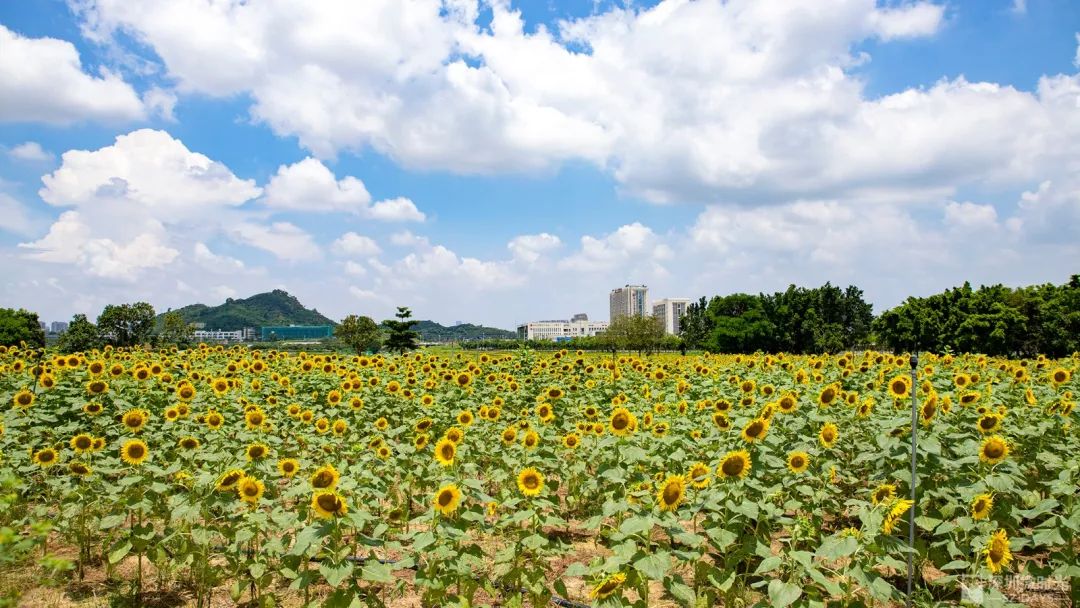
point(218, 335)
point(44, 326)
point(559, 330)
point(670, 310)
point(59, 327)
point(629, 301)
point(297, 332)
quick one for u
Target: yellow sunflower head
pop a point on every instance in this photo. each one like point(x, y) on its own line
point(134, 452)
point(671, 493)
point(447, 499)
point(798, 462)
point(735, 464)
point(530, 482)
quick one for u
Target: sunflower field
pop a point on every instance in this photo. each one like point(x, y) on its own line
point(233, 476)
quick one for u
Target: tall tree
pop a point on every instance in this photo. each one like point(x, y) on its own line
point(360, 333)
point(175, 331)
point(81, 336)
point(402, 337)
point(18, 326)
point(126, 324)
point(641, 334)
point(695, 324)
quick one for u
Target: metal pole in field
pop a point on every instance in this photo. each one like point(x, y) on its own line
point(914, 451)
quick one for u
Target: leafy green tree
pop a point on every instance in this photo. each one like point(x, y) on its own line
point(18, 326)
point(81, 336)
point(126, 324)
point(360, 333)
point(401, 336)
point(175, 331)
point(641, 334)
point(695, 324)
point(740, 325)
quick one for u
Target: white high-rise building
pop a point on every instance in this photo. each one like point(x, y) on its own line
point(558, 330)
point(629, 301)
point(671, 311)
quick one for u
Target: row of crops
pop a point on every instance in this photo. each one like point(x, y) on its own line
point(518, 479)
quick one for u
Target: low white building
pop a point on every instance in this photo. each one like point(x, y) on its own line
point(558, 330)
point(670, 310)
point(218, 335)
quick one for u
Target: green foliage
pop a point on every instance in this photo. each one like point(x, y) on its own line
point(431, 331)
point(401, 336)
point(126, 324)
point(81, 336)
point(642, 334)
point(360, 333)
point(175, 331)
point(276, 307)
point(994, 320)
point(20, 325)
point(798, 320)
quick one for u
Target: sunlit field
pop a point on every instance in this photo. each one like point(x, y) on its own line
point(223, 476)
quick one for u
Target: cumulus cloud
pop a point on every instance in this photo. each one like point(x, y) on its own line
point(352, 244)
point(309, 185)
point(629, 246)
point(398, 209)
point(529, 248)
point(42, 80)
point(14, 217)
point(30, 151)
point(283, 239)
point(216, 263)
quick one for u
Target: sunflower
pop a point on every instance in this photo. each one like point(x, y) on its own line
point(257, 451)
point(530, 482)
point(220, 386)
point(798, 462)
point(447, 499)
point(322, 425)
point(24, 399)
point(185, 392)
point(899, 387)
point(134, 451)
point(509, 435)
point(214, 420)
point(188, 443)
point(929, 408)
point(672, 493)
point(607, 587)
point(721, 421)
point(531, 440)
point(828, 435)
point(250, 489)
point(382, 423)
point(1060, 376)
point(445, 450)
point(622, 422)
point(899, 508)
point(755, 430)
point(988, 423)
point(827, 395)
point(288, 467)
point(329, 504)
point(46, 457)
point(545, 412)
point(325, 478)
point(455, 434)
point(82, 443)
point(420, 441)
point(423, 425)
point(134, 420)
point(735, 464)
point(970, 397)
point(79, 469)
point(788, 403)
point(883, 493)
point(571, 440)
point(981, 506)
point(997, 551)
point(994, 449)
point(254, 418)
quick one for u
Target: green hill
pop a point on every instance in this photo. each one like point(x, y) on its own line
point(431, 331)
point(272, 308)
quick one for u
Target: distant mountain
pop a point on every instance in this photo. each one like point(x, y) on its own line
point(431, 331)
point(272, 308)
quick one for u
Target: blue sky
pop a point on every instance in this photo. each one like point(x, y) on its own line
point(497, 162)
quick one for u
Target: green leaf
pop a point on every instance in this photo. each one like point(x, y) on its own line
point(768, 565)
point(680, 590)
point(782, 593)
point(377, 572)
point(654, 566)
point(576, 569)
point(636, 525)
point(927, 523)
point(837, 546)
point(335, 574)
point(120, 552)
point(111, 521)
point(956, 564)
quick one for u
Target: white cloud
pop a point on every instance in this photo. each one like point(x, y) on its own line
point(352, 244)
point(406, 238)
point(630, 245)
point(309, 185)
point(355, 269)
point(398, 209)
point(1019, 7)
point(912, 20)
point(283, 239)
point(42, 80)
point(215, 262)
point(529, 248)
point(14, 217)
point(148, 172)
point(161, 102)
point(970, 216)
point(1076, 61)
point(30, 151)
